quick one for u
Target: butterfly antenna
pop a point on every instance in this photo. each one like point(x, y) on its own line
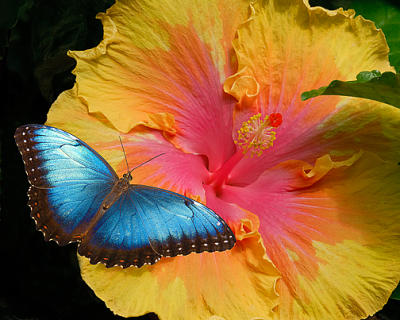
point(147, 161)
point(126, 160)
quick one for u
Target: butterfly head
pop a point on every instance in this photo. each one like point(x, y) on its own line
point(127, 176)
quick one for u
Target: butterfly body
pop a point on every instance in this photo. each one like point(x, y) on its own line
point(76, 196)
point(119, 187)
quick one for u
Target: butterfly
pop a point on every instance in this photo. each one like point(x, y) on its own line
point(76, 196)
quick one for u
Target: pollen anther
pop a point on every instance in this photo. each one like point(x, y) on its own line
point(257, 133)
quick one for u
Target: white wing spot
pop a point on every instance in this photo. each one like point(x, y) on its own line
point(24, 141)
point(218, 223)
point(193, 246)
point(27, 149)
point(33, 170)
point(230, 237)
point(205, 244)
point(217, 243)
point(30, 159)
point(179, 249)
point(26, 128)
point(23, 133)
point(225, 241)
point(168, 250)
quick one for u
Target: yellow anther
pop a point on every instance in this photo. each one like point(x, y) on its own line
point(256, 134)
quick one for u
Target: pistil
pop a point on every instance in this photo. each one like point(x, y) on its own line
point(258, 134)
point(254, 137)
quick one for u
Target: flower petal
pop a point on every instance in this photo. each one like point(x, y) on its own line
point(174, 170)
point(358, 124)
point(332, 230)
point(236, 284)
point(162, 64)
point(70, 113)
point(286, 48)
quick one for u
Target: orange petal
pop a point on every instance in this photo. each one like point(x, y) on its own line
point(285, 48)
point(161, 65)
point(332, 230)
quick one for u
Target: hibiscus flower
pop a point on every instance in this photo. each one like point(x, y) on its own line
point(310, 188)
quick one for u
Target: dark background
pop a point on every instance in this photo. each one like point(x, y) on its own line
point(38, 279)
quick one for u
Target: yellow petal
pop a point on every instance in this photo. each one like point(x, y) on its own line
point(361, 124)
point(237, 284)
point(332, 231)
point(353, 264)
point(352, 267)
point(157, 57)
point(288, 47)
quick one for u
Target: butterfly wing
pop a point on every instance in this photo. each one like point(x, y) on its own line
point(146, 223)
point(69, 180)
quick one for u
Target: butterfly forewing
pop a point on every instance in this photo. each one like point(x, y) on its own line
point(69, 180)
point(53, 157)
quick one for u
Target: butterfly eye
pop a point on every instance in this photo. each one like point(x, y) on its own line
point(127, 176)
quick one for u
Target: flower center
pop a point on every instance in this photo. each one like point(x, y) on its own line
point(254, 136)
point(257, 134)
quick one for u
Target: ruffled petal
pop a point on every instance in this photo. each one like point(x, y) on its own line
point(357, 124)
point(288, 47)
point(161, 65)
point(333, 232)
point(70, 113)
point(285, 48)
point(237, 284)
point(174, 170)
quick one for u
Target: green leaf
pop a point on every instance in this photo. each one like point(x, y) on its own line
point(369, 85)
point(387, 17)
point(396, 293)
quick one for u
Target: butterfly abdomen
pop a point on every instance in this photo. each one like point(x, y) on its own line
point(120, 186)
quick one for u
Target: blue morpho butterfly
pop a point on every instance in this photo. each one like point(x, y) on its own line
point(75, 195)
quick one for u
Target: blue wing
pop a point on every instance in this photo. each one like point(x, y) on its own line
point(146, 223)
point(69, 180)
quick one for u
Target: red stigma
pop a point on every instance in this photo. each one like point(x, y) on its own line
point(275, 119)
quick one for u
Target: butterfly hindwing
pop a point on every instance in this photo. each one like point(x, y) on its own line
point(119, 237)
point(180, 225)
point(146, 223)
point(69, 180)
